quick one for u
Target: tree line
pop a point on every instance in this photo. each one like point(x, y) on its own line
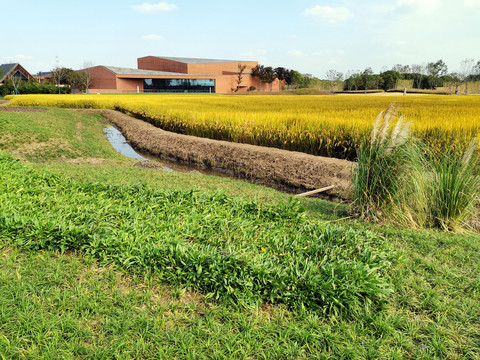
point(426, 76)
point(422, 76)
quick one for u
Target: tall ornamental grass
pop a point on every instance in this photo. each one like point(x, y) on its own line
point(398, 180)
point(454, 189)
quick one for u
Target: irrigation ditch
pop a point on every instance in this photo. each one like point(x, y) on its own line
point(288, 171)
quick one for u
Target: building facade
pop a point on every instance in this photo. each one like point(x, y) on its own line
point(174, 74)
point(16, 70)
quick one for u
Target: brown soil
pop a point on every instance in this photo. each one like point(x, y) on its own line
point(290, 171)
point(20, 109)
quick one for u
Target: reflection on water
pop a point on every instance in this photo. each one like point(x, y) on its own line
point(119, 143)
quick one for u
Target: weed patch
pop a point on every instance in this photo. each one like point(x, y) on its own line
point(233, 250)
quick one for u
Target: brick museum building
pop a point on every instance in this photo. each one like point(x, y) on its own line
point(175, 74)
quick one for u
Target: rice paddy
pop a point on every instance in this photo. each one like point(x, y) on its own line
point(331, 126)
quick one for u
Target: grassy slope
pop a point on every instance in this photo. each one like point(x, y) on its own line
point(58, 306)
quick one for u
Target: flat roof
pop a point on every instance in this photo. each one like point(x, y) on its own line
point(186, 60)
point(128, 71)
point(140, 72)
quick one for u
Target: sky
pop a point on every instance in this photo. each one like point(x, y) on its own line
point(310, 36)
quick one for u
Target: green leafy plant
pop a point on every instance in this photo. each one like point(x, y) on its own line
point(230, 249)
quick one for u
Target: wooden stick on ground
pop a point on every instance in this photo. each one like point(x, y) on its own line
point(308, 193)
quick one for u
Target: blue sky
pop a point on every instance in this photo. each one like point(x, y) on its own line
point(305, 35)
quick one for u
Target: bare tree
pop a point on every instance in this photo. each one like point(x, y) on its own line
point(15, 80)
point(476, 69)
point(402, 69)
point(241, 69)
point(87, 74)
point(455, 81)
point(335, 78)
point(417, 71)
point(59, 74)
point(85, 78)
point(467, 68)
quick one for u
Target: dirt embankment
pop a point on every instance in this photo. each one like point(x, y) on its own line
point(18, 109)
point(286, 170)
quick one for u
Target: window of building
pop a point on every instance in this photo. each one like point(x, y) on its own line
point(179, 85)
point(20, 76)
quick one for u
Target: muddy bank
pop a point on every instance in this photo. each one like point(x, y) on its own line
point(19, 109)
point(294, 172)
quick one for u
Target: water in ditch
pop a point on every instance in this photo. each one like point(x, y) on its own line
point(120, 144)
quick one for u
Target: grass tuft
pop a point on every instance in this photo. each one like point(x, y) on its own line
point(454, 189)
point(388, 164)
point(398, 181)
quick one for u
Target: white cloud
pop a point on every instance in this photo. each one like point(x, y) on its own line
point(421, 6)
point(23, 57)
point(328, 13)
point(296, 53)
point(259, 55)
point(150, 8)
point(472, 3)
point(153, 37)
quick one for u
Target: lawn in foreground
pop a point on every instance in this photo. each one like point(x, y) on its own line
point(69, 305)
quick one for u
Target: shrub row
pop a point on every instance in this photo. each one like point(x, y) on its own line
point(32, 87)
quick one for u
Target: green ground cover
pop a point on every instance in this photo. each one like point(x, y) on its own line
point(76, 283)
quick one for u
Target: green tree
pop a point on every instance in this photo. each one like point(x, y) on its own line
point(269, 76)
point(354, 80)
point(368, 79)
point(281, 73)
point(74, 79)
point(289, 77)
point(259, 72)
point(390, 78)
point(301, 81)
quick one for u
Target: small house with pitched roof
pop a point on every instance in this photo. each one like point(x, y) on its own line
point(13, 70)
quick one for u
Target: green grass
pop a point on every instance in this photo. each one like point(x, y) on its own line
point(55, 135)
point(231, 249)
point(70, 305)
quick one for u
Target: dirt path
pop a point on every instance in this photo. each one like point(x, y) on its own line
point(285, 170)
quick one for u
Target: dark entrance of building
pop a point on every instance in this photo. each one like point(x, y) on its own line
point(179, 85)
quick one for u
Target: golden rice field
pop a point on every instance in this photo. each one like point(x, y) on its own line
point(320, 125)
